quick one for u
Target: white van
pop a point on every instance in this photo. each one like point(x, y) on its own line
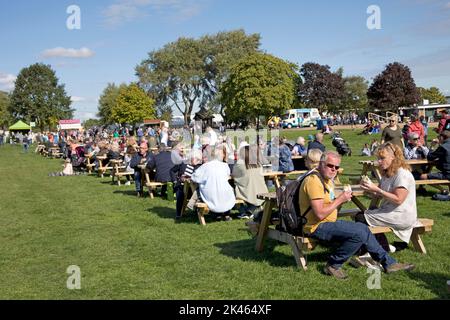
point(298, 118)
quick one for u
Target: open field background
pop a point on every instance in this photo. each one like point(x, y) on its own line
point(130, 248)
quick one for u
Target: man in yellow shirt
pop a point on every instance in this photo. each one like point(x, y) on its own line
point(317, 198)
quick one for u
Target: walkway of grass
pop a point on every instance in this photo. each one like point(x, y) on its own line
point(129, 248)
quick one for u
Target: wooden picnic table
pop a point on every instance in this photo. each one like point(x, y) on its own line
point(298, 244)
point(372, 166)
point(423, 164)
point(271, 202)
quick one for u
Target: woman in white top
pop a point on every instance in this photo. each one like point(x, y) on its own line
point(397, 192)
point(213, 186)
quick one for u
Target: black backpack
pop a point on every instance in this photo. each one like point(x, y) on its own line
point(292, 220)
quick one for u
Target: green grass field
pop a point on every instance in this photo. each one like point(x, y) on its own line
point(130, 248)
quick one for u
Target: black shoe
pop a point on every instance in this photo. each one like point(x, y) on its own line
point(400, 245)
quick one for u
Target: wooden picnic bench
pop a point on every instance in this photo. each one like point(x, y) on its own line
point(89, 164)
point(102, 168)
point(300, 244)
point(118, 170)
point(202, 210)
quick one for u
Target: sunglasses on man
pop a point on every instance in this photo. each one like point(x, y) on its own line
point(332, 166)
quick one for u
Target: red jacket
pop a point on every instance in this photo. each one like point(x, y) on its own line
point(442, 123)
point(417, 127)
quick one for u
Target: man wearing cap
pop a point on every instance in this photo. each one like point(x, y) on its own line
point(417, 127)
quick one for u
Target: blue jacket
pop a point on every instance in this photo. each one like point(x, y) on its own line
point(162, 162)
point(285, 159)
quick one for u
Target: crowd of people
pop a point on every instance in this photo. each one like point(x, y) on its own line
point(207, 163)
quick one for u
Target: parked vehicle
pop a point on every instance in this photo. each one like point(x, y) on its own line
point(298, 118)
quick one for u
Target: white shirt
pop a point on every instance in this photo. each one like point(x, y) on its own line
point(164, 137)
point(401, 218)
point(212, 138)
point(215, 190)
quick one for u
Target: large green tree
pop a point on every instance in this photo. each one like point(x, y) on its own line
point(5, 116)
point(393, 88)
point(89, 123)
point(133, 105)
point(107, 101)
point(259, 85)
point(355, 97)
point(320, 88)
point(39, 97)
point(433, 95)
point(188, 73)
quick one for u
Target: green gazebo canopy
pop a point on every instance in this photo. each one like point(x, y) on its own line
point(20, 125)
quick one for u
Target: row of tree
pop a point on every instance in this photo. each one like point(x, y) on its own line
point(226, 73)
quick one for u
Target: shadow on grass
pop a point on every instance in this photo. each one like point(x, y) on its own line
point(447, 214)
point(245, 250)
point(435, 282)
point(170, 213)
point(189, 216)
point(126, 192)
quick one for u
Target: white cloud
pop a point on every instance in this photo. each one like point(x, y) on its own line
point(68, 53)
point(7, 81)
point(123, 11)
point(77, 99)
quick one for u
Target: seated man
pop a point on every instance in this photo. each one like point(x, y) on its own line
point(317, 143)
point(213, 186)
point(162, 163)
point(140, 158)
point(317, 199)
point(442, 156)
point(415, 150)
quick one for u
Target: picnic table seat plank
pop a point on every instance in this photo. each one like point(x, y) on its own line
point(202, 210)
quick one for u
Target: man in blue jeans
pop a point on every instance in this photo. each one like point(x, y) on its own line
point(317, 199)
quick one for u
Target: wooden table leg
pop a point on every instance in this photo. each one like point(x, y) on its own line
point(359, 204)
point(377, 173)
point(268, 205)
point(417, 242)
point(186, 188)
point(297, 251)
point(277, 182)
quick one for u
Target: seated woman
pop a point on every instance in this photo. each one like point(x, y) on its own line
point(249, 181)
point(313, 159)
point(397, 192)
point(213, 186)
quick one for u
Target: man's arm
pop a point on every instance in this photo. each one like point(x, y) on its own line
point(134, 161)
point(436, 154)
point(322, 210)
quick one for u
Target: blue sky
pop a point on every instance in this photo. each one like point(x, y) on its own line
point(116, 35)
